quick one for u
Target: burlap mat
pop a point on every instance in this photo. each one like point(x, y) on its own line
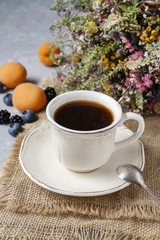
point(31, 212)
point(73, 227)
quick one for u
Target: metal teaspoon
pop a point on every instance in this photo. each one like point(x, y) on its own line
point(132, 174)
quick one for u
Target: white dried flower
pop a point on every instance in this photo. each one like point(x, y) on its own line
point(81, 37)
point(146, 9)
point(145, 15)
point(146, 54)
point(112, 10)
point(130, 92)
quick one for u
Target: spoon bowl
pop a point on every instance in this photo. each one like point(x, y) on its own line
point(132, 174)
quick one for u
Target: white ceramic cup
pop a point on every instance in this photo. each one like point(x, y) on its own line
point(85, 151)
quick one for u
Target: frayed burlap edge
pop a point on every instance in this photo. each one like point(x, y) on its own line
point(136, 211)
point(71, 233)
point(8, 170)
point(73, 227)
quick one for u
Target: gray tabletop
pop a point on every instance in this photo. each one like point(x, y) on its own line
point(24, 27)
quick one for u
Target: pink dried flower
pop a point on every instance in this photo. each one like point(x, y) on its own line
point(124, 40)
point(131, 73)
point(136, 55)
point(146, 80)
point(142, 8)
point(140, 82)
point(61, 77)
point(132, 49)
point(108, 2)
point(140, 87)
point(128, 45)
point(72, 65)
point(101, 20)
point(150, 106)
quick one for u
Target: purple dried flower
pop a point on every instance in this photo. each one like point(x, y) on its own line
point(121, 52)
point(115, 34)
point(156, 92)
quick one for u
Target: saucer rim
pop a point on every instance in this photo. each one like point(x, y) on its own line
point(73, 193)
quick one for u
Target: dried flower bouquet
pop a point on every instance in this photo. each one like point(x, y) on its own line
point(114, 48)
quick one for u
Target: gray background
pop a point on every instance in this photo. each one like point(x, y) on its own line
point(24, 27)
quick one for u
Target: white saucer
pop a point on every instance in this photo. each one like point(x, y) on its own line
point(37, 162)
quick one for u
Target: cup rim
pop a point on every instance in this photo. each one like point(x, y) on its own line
point(58, 126)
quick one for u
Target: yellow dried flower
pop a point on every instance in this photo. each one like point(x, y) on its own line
point(106, 88)
point(142, 38)
point(133, 106)
point(147, 40)
point(90, 27)
point(113, 65)
point(156, 108)
point(154, 32)
point(144, 35)
point(151, 18)
point(149, 29)
point(113, 57)
point(158, 20)
point(106, 60)
point(152, 38)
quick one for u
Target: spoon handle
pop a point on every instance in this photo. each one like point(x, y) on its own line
point(151, 194)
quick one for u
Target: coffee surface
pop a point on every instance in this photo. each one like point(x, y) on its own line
point(83, 116)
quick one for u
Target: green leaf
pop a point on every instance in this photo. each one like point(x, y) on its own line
point(139, 98)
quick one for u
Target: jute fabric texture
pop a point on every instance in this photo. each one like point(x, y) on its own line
point(27, 211)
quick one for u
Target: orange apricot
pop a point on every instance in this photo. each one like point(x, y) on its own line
point(45, 52)
point(12, 74)
point(28, 96)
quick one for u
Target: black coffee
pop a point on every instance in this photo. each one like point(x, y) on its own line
point(83, 116)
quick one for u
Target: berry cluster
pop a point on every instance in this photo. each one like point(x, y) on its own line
point(27, 116)
point(16, 120)
point(4, 117)
point(50, 93)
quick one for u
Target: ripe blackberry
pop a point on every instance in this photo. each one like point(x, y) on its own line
point(16, 119)
point(4, 116)
point(1, 87)
point(50, 93)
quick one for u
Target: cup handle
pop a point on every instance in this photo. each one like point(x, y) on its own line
point(136, 135)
